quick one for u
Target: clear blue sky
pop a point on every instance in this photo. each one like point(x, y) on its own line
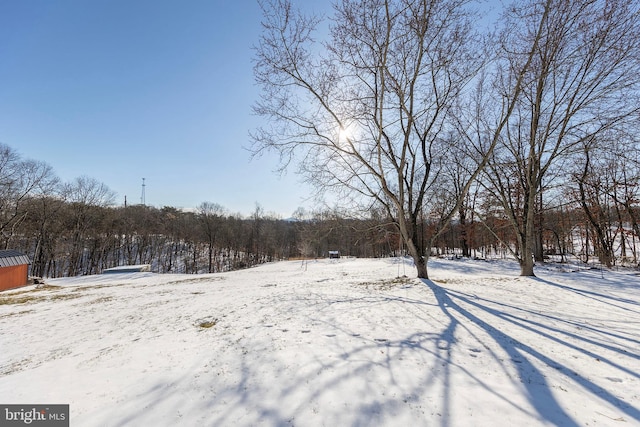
point(118, 90)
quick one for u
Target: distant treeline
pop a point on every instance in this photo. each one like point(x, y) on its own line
point(75, 229)
point(69, 238)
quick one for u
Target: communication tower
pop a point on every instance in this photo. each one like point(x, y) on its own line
point(142, 198)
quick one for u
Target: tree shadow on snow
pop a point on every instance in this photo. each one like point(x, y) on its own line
point(597, 296)
point(521, 355)
point(274, 388)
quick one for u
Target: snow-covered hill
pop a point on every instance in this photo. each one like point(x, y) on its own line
point(347, 342)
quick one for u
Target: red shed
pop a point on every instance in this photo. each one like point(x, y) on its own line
point(14, 269)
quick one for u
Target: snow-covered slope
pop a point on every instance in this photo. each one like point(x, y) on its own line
point(344, 342)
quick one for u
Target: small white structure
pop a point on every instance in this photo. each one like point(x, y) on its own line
point(334, 254)
point(128, 269)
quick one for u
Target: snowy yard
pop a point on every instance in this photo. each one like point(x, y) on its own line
point(334, 343)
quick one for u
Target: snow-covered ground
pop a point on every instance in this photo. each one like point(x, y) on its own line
point(334, 343)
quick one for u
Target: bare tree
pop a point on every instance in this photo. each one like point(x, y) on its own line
point(626, 191)
point(19, 179)
point(85, 196)
point(210, 216)
point(583, 81)
point(595, 187)
point(371, 111)
point(606, 188)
